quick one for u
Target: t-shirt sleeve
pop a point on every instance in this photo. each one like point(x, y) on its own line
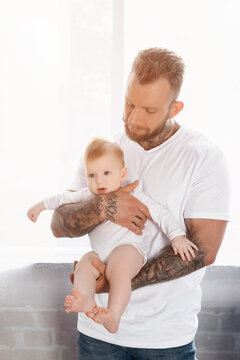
point(209, 194)
point(79, 180)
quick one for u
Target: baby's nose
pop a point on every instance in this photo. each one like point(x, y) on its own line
point(98, 180)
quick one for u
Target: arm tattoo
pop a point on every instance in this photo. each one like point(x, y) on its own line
point(73, 220)
point(168, 266)
point(111, 206)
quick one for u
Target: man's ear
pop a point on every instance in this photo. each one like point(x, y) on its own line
point(176, 107)
point(124, 173)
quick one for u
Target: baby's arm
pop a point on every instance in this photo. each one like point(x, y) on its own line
point(66, 197)
point(184, 247)
point(170, 226)
point(55, 201)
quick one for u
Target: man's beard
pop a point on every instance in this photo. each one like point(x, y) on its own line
point(161, 131)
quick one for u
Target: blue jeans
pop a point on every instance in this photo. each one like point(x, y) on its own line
point(93, 349)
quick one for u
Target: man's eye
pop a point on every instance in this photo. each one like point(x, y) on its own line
point(107, 172)
point(129, 103)
point(150, 111)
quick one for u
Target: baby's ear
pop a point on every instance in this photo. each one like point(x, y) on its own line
point(124, 173)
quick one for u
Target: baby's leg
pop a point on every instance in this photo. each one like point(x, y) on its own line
point(124, 263)
point(83, 293)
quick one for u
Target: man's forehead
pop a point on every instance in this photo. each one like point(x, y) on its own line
point(148, 94)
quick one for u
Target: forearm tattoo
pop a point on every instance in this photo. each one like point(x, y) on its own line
point(168, 266)
point(73, 220)
point(110, 207)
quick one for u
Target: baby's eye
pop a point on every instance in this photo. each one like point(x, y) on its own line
point(107, 172)
point(91, 175)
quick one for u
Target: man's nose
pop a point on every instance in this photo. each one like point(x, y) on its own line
point(133, 117)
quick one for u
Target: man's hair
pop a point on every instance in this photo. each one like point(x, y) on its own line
point(154, 63)
point(99, 147)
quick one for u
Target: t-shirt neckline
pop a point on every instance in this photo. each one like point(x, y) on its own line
point(165, 143)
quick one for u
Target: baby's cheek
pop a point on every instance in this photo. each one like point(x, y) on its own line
point(90, 186)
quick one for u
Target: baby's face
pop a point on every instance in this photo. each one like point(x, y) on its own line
point(105, 174)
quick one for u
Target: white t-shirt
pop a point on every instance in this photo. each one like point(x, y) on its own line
point(187, 175)
point(108, 235)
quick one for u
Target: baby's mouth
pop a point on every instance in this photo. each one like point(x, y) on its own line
point(102, 190)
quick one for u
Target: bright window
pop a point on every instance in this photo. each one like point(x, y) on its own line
point(63, 68)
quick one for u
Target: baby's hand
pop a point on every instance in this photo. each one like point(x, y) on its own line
point(184, 247)
point(35, 210)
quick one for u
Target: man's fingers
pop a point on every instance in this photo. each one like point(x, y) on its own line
point(130, 187)
point(142, 217)
point(138, 222)
point(99, 265)
point(71, 277)
point(102, 284)
point(134, 228)
point(144, 211)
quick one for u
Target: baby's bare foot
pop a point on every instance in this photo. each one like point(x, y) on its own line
point(92, 313)
point(78, 302)
point(107, 318)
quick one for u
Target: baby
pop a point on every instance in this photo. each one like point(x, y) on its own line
point(123, 251)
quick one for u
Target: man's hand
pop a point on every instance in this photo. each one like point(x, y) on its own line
point(124, 209)
point(71, 275)
point(102, 285)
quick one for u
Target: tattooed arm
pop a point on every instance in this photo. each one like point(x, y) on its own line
point(207, 234)
point(74, 220)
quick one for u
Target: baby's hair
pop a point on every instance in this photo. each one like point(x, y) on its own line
point(99, 147)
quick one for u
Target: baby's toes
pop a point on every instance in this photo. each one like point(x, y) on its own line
point(102, 309)
point(68, 300)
